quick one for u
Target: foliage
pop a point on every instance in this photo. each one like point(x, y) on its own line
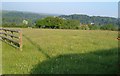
point(15, 25)
point(84, 27)
point(94, 27)
point(97, 20)
point(75, 21)
point(17, 17)
point(56, 22)
point(109, 27)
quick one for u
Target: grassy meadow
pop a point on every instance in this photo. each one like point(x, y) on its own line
point(0, 57)
point(58, 51)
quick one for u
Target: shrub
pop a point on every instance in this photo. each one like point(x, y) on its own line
point(84, 27)
point(109, 27)
point(94, 27)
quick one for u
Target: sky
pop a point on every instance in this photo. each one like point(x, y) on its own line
point(119, 10)
point(89, 8)
point(60, 0)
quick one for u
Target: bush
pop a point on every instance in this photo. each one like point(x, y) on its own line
point(84, 27)
point(14, 25)
point(93, 27)
point(109, 27)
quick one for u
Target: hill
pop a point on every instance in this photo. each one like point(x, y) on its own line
point(85, 19)
point(17, 17)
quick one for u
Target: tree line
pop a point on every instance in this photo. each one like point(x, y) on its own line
point(75, 21)
point(15, 18)
point(98, 20)
point(62, 23)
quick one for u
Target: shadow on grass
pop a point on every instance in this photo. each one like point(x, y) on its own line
point(37, 46)
point(99, 62)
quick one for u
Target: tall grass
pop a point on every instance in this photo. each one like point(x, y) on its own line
point(42, 47)
point(0, 57)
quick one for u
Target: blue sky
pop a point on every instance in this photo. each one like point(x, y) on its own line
point(60, 0)
point(90, 8)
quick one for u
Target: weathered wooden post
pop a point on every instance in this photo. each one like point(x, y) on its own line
point(20, 39)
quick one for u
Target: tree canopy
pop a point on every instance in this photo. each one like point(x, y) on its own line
point(56, 22)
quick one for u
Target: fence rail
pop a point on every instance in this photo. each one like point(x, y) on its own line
point(9, 36)
point(118, 38)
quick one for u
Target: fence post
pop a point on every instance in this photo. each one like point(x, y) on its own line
point(20, 40)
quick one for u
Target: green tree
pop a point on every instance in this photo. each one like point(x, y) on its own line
point(57, 22)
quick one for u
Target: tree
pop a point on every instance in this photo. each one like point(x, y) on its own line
point(56, 22)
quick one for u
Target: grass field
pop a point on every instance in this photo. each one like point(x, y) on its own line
point(62, 51)
point(0, 57)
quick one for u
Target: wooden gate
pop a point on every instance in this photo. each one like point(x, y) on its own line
point(12, 37)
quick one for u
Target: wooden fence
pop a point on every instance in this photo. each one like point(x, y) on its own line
point(12, 37)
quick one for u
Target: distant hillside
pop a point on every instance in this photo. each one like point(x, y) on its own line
point(17, 17)
point(85, 19)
